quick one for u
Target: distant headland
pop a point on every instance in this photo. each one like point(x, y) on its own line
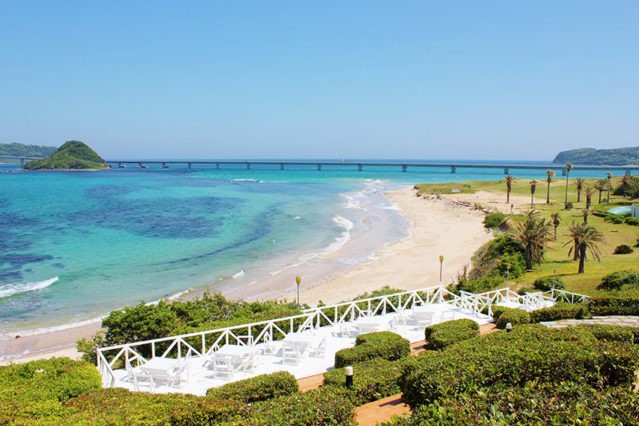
point(21, 150)
point(73, 155)
point(603, 157)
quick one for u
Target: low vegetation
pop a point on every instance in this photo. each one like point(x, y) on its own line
point(382, 344)
point(440, 336)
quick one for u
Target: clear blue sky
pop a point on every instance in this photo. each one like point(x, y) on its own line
point(325, 79)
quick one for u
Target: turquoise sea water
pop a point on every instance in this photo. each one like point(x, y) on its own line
point(76, 245)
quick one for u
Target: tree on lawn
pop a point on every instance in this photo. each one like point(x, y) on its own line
point(533, 188)
point(600, 186)
point(549, 175)
point(555, 222)
point(534, 233)
point(589, 191)
point(509, 186)
point(584, 237)
point(579, 183)
point(568, 169)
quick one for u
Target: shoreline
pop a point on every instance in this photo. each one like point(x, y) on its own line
point(436, 225)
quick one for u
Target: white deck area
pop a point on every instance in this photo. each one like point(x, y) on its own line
point(304, 345)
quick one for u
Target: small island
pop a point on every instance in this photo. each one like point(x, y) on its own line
point(599, 157)
point(73, 155)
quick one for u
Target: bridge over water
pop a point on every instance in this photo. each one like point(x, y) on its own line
point(361, 165)
point(404, 166)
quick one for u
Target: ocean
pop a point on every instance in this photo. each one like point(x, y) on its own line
point(76, 245)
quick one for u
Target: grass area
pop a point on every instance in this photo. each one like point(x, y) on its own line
point(557, 260)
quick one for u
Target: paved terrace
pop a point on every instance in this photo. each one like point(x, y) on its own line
point(304, 345)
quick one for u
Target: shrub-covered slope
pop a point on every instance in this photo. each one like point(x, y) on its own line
point(73, 155)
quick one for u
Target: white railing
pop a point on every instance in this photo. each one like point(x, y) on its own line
point(203, 343)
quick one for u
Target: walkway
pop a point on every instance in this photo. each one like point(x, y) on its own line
point(619, 320)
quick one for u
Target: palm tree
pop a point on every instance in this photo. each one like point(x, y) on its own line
point(509, 186)
point(585, 214)
point(579, 183)
point(600, 186)
point(584, 237)
point(533, 188)
point(549, 175)
point(533, 234)
point(589, 193)
point(625, 182)
point(609, 186)
point(555, 222)
point(568, 169)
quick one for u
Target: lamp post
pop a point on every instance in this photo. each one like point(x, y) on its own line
point(298, 281)
point(441, 265)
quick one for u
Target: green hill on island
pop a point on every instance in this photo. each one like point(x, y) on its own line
point(607, 157)
point(73, 155)
point(22, 150)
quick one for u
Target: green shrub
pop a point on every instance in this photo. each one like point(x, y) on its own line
point(331, 406)
point(39, 389)
point(372, 380)
point(258, 388)
point(633, 221)
point(614, 305)
point(568, 205)
point(619, 280)
point(512, 315)
point(568, 403)
point(613, 218)
point(559, 311)
point(382, 344)
point(548, 283)
point(610, 333)
point(529, 353)
point(494, 220)
point(623, 249)
point(446, 333)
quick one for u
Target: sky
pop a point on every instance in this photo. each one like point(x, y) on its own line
point(327, 79)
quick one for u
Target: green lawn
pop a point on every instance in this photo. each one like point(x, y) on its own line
point(557, 260)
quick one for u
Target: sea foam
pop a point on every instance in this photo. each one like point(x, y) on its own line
point(9, 290)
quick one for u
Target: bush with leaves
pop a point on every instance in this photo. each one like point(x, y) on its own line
point(381, 344)
point(614, 305)
point(446, 333)
point(372, 380)
point(494, 220)
point(531, 353)
point(513, 316)
point(620, 280)
point(258, 388)
point(39, 389)
point(548, 283)
point(623, 249)
point(560, 311)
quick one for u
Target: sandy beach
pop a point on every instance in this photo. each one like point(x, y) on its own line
point(446, 225)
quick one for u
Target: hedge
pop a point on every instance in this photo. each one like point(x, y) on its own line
point(372, 380)
point(39, 389)
point(258, 388)
point(381, 344)
point(568, 403)
point(446, 333)
point(614, 305)
point(514, 316)
point(331, 406)
point(529, 353)
point(560, 311)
